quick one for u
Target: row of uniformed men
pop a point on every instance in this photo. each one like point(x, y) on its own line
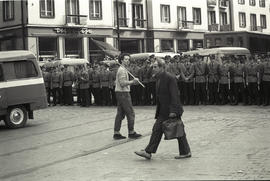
point(232, 81)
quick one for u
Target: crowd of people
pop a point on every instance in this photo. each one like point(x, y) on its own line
point(231, 80)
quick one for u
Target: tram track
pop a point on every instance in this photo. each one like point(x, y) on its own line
point(64, 140)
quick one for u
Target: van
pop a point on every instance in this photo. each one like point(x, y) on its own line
point(22, 87)
point(220, 52)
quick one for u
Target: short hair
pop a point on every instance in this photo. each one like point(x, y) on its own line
point(121, 57)
point(161, 62)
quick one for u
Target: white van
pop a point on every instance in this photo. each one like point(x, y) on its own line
point(22, 87)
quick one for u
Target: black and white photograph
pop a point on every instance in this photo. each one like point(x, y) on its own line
point(134, 90)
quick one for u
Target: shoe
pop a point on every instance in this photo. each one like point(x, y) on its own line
point(118, 137)
point(144, 154)
point(183, 156)
point(134, 135)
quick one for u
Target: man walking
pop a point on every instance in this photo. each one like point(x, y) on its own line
point(168, 106)
point(124, 104)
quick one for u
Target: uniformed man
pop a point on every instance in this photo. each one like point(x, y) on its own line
point(96, 85)
point(56, 85)
point(266, 81)
point(251, 71)
point(134, 89)
point(68, 78)
point(145, 81)
point(238, 81)
point(224, 80)
point(47, 82)
point(90, 90)
point(186, 76)
point(213, 80)
point(200, 81)
point(104, 85)
point(84, 86)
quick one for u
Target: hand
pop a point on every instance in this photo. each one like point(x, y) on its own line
point(135, 81)
point(172, 115)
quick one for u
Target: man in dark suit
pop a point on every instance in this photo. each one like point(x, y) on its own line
point(168, 106)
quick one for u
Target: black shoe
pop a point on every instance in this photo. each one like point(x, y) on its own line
point(118, 137)
point(183, 156)
point(134, 135)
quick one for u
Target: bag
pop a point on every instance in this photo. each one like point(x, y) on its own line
point(173, 128)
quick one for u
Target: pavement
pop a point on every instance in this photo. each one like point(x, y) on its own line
point(75, 143)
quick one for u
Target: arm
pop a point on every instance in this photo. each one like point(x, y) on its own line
point(123, 79)
point(176, 108)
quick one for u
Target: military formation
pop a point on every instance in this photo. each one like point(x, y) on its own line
point(201, 81)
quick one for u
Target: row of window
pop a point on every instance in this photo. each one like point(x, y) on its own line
point(253, 2)
point(253, 21)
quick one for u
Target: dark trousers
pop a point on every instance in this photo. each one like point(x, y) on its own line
point(200, 93)
point(90, 91)
point(67, 95)
point(96, 93)
point(188, 93)
point(156, 138)
point(213, 93)
point(85, 97)
point(224, 93)
point(124, 108)
point(57, 95)
point(266, 92)
point(181, 91)
point(252, 93)
point(152, 90)
point(134, 94)
point(113, 98)
point(238, 92)
point(105, 92)
point(48, 92)
point(146, 94)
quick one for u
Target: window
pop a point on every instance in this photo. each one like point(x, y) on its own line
point(95, 9)
point(240, 41)
point(73, 47)
point(72, 7)
point(211, 17)
point(242, 20)
point(183, 45)
point(218, 42)
point(167, 45)
point(253, 22)
point(24, 69)
point(241, 1)
point(230, 41)
point(46, 8)
point(165, 13)
point(122, 15)
point(263, 21)
point(197, 16)
point(252, 2)
point(137, 14)
point(223, 18)
point(182, 14)
point(262, 3)
point(197, 44)
point(8, 10)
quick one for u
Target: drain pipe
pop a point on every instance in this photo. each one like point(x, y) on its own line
point(23, 27)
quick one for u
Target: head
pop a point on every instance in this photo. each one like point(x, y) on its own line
point(124, 59)
point(158, 66)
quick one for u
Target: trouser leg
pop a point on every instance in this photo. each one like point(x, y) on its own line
point(183, 145)
point(155, 137)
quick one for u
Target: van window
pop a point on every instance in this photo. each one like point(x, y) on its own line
point(1, 74)
point(24, 69)
point(20, 70)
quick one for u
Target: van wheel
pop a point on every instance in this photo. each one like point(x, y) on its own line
point(16, 117)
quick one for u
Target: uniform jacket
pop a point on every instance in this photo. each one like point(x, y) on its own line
point(47, 79)
point(237, 73)
point(200, 72)
point(68, 78)
point(168, 99)
point(84, 80)
point(266, 71)
point(251, 70)
point(56, 80)
point(213, 68)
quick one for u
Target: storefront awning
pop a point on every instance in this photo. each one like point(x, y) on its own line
point(107, 48)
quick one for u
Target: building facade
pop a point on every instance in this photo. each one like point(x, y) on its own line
point(249, 26)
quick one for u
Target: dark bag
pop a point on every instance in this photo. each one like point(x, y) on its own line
point(173, 128)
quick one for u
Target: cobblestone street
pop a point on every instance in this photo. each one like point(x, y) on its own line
point(74, 143)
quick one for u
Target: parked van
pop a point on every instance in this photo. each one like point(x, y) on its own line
point(22, 87)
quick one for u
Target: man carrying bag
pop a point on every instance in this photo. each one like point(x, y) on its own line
point(168, 114)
